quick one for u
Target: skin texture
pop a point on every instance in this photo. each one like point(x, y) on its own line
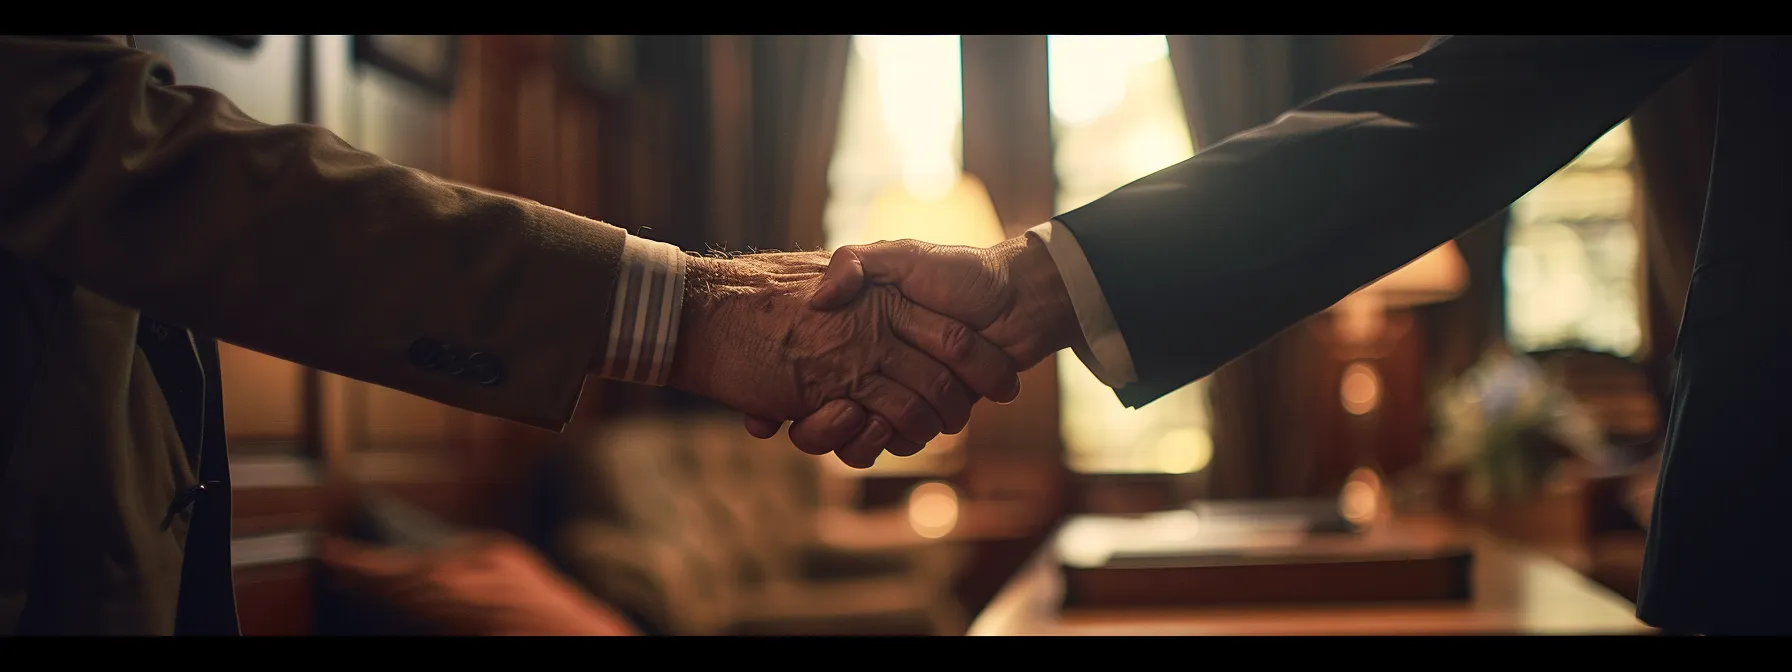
point(1011, 294)
point(878, 373)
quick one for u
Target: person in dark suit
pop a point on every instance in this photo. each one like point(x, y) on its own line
point(1145, 283)
point(140, 218)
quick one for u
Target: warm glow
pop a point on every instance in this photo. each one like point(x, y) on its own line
point(963, 215)
point(920, 88)
point(933, 509)
point(900, 120)
point(1436, 276)
point(1089, 72)
point(1360, 390)
point(1184, 450)
point(1574, 256)
point(1360, 501)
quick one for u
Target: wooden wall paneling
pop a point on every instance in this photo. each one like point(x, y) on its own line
point(376, 436)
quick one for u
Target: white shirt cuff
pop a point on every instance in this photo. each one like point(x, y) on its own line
point(1104, 349)
point(644, 313)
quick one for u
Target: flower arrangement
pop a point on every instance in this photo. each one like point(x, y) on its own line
point(1504, 425)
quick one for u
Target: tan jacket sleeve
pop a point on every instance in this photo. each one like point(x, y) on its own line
point(286, 240)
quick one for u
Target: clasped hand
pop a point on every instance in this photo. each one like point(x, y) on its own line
point(880, 348)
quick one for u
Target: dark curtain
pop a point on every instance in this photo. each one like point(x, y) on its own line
point(1674, 133)
point(775, 103)
point(1262, 434)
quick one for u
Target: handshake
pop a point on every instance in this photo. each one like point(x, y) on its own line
point(880, 348)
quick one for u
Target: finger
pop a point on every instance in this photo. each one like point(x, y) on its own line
point(933, 381)
point(762, 428)
point(829, 428)
point(980, 364)
point(908, 414)
point(901, 448)
point(864, 448)
point(854, 265)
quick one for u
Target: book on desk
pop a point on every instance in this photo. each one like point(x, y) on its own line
point(1237, 553)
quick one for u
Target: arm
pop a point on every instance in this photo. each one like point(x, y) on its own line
point(1332, 195)
point(284, 239)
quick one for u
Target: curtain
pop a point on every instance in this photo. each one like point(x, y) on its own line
point(796, 86)
point(1262, 433)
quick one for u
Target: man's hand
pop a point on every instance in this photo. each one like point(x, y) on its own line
point(1010, 293)
point(879, 373)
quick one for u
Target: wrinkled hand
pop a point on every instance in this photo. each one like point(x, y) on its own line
point(1010, 293)
point(879, 373)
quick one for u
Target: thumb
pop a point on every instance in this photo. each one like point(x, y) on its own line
point(843, 280)
point(886, 262)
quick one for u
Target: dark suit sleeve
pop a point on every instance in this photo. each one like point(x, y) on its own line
point(283, 238)
point(1203, 260)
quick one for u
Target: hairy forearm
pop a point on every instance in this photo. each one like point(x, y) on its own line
point(721, 335)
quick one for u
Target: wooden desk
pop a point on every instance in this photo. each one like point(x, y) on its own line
point(1516, 591)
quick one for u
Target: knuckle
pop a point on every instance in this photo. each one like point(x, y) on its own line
point(955, 340)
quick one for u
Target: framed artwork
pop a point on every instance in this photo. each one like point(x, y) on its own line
point(244, 42)
point(602, 63)
point(429, 61)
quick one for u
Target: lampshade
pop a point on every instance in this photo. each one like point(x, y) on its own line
point(1438, 276)
point(963, 215)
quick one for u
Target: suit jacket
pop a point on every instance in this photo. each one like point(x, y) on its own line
point(133, 209)
point(1346, 188)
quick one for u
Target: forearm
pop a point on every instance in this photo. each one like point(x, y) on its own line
point(286, 240)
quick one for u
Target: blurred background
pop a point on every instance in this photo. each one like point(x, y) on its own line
point(1512, 383)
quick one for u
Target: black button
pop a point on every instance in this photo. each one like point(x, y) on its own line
point(485, 368)
point(426, 354)
point(453, 362)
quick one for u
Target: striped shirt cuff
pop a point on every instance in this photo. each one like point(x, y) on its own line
point(644, 314)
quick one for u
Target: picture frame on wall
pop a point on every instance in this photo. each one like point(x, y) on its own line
point(243, 42)
point(428, 61)
point(604, 64)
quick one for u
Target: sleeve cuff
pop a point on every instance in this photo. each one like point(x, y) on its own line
point(644, 320)
point(1103, 349)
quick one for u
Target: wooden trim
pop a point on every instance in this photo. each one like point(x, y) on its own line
point(273, 548)
point(254, 471)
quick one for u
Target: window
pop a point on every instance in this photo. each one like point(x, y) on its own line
point(1117, 116)
point(901, 118)
point(1573, 259)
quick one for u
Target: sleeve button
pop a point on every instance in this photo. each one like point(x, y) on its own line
point(425, 354)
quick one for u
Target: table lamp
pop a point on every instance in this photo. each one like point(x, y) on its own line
point(961, 215)
point(1362, 334)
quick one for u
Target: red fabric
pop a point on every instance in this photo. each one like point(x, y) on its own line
point(483, 585)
